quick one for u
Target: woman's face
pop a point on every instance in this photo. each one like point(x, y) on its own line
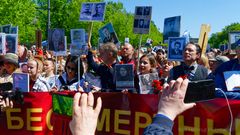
point(32, 68)
point(9, 67)
point(123, 71)
point(145, 66)
point(48, 66)
point(167, 66)
point(71, 69)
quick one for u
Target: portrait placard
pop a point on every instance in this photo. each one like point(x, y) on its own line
point(231, 78)
point(171, 27)
point(142, 19)
point(203, 38)
point(57, 42)
point(21, 82)
point(145, 82)
point(6, 29)
point(108, 34)
point(11, 43)
point(78, 42)
point(176, 47)
point(2, 43)
point(92, 11)
point(124, 76)
point(234, 39)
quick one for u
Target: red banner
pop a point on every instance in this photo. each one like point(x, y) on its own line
point(121, 114)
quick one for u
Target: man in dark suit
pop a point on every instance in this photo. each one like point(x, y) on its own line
point(189, 67)
point(98, 11)
point(176, 49)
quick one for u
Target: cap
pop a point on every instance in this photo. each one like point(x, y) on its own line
point(221, 59)
point(11, 58)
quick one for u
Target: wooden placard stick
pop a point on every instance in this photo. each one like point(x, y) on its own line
point(90, 35)
point(203, 38)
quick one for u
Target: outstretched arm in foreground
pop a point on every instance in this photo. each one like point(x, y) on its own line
point(170, 105)
point(84, 118)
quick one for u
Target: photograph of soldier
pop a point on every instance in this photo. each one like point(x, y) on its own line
point(98, 12)
point(11, 43)
point(108, 34)
point(14, 30)
point(139, 11)
point(171, 27)
point(56, 40)
point(175, 48)
point(6, 29)
point(147, 10)
point(86, 11)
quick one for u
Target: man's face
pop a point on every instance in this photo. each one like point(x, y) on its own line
point(127, 50)
point(98, 8)
point(106, 32)
point(190, 53)
point(56, 35)
point(177, 46)
point(87, 8)
point(123, 71)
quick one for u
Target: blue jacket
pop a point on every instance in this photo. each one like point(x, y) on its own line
point(161, 125)
point(220, 81)
point(227, 66)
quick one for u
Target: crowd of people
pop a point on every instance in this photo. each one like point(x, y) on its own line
point(46, 75)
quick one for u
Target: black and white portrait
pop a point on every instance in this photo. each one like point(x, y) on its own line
point(98, 11)
point(11, 43)
point(6, 29)
point(171, 27)
point(92, 11)
point(124, 76)
point(108, 34)
point(142, 19)
point(234, 39)
point(145, 82)
point(56, 40)
point(86, 11)
point(139, 11)
point(175, 48)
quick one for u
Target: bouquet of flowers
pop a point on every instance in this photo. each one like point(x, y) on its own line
point(157, 86)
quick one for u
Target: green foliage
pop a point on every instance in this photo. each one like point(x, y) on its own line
point(20, 13)
point(31, 15)
point(219, 38)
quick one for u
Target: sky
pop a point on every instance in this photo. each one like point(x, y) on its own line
point(217, 13)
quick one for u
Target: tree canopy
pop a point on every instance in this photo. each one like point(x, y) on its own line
point(220, 38)
point(31, 15)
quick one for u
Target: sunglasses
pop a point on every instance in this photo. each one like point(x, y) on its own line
point(70, 68)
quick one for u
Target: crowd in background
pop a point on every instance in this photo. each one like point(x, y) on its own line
point(50, 73)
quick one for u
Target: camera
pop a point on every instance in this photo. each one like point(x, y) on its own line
point(6, 91)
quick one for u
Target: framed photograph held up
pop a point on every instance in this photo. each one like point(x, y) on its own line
point(57, 42)
point(11, 43)
point(145, 82)
point(171, 27)
point(78, 42)
point(176, 46)
point(21, 82)
point(234, 39)
point(142, 19)
point(92, 11)
point(108, 34)
point(124, 76)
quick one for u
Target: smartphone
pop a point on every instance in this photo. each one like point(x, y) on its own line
point(200, 91)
